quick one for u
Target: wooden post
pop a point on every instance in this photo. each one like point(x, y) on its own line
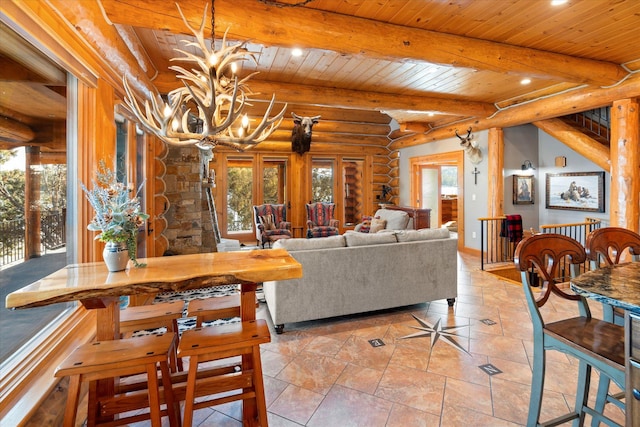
point(31, 205)
point(495, 172)
point(625, 164)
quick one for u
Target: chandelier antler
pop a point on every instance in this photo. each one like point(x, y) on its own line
point(210, 106)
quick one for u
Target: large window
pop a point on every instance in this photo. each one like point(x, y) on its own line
point(273, 181)
point(322, 180)
point(239, 194)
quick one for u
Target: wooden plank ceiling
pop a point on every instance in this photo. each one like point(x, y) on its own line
point(423, 63)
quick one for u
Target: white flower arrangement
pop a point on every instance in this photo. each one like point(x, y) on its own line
point(118, 215)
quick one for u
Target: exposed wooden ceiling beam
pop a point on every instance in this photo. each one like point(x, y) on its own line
point(579, 142)
point(13, 131)
point(357, 36)
point(345, 98)
point(547, 108)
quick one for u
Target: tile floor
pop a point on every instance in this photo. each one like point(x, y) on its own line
point(327, 374)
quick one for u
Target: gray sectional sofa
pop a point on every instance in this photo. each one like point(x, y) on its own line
point(358, 272)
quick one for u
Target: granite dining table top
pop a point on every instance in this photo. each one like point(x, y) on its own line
point(617, 285)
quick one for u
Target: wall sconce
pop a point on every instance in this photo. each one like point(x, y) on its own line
point(527, 166)
point(561, 161)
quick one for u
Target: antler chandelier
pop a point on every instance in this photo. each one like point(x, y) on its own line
point(208, 110)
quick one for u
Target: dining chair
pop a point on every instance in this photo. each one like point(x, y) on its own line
point(154, 316)
point(118, 358)
point(595, 343)
point(244, 383)
point(606, 246)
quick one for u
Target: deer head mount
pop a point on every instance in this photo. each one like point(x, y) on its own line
point(470, 147)
point(301, 133)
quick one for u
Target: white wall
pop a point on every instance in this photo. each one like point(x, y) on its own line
point(521, 143)
point(549, 148)
point(475, 195)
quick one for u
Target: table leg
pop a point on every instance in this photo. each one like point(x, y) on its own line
point(248, 312)
point(107, 328)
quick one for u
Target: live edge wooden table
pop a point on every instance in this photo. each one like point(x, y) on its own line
point(619, 286)
point(96, 288)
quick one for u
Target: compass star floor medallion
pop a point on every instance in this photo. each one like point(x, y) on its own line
point(436, 332)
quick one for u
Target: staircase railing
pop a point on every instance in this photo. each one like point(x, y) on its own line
point(597, 121)
point(497, 248)
point(576, 230)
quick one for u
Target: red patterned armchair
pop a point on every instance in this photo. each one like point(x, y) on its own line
point(271, 223)
point(320, 221)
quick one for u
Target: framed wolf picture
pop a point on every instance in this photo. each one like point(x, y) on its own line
point(581, 191)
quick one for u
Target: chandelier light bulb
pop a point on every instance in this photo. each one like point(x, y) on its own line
point(208, 102)
point(213, 60)
point(167, 110)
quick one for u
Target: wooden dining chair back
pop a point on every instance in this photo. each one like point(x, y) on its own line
point(607, 246)
point(244, 383)
point(153, 316)
point(595, 343)
point(118, 358)
point(214, 308)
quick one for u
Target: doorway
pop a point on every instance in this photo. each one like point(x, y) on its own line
point(437, 183)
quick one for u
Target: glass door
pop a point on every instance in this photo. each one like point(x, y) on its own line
point(239, 194)
point(322, 180)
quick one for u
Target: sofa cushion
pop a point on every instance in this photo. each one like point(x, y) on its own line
point(377, 224)
point(396, 220)
point(363, 239)
point(308, 244)
point(424, 234)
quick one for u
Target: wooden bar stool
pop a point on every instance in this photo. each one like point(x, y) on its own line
point(208, 309)
point(152, 316)
point(221, 342)
point(112, 359)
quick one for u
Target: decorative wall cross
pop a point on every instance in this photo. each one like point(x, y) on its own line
point(475, 175)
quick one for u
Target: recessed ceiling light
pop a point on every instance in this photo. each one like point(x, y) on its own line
point(430, 114)
point(296, 51)
point(558, 2)
point(525, 81)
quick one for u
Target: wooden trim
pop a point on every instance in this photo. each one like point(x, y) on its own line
point(450, 158)
point(46, 32)
point(28, 377)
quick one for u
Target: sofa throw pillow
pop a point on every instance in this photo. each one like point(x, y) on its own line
point(365, 225)
point(268, 221)
point(396, 220)
point(377, 224)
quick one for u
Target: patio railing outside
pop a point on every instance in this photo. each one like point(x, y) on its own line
point(12, 243)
